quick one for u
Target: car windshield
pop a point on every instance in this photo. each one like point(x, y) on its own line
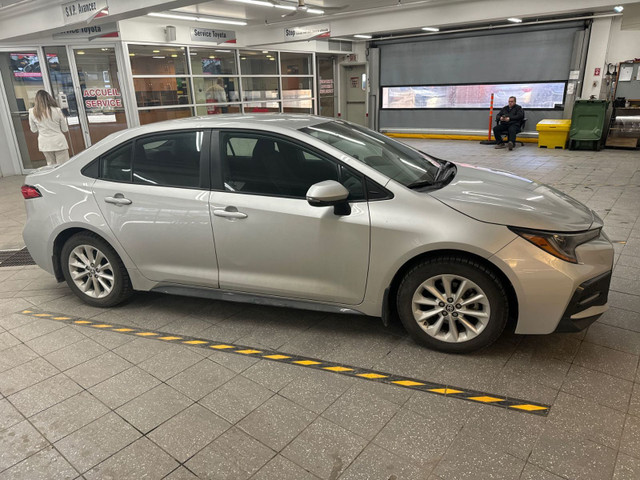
point(395, 160)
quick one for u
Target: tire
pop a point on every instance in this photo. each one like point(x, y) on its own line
point(94, 271)
point(422, 302)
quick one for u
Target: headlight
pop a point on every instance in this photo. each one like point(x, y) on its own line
point(561, 245)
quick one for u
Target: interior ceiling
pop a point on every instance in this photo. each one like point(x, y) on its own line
point(257, 14)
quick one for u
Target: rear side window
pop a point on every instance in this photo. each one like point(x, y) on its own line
point(116, 164)
point(168, 159)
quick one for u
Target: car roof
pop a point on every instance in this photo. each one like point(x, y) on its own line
point(260, 121)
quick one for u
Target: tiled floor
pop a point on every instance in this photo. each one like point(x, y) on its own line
point(77, 402)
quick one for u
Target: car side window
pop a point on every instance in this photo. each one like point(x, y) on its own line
point(266, 165)
point(168, 159)
point(116, 164)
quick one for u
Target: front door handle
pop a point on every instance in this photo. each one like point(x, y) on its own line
point(118, 199)
point(229, 212)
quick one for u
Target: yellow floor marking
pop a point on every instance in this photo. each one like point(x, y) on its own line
point(407, 383)
point(146, 334)
point(170, 338)
point(371, 375)
point(486, 399)
point(528, 408)
point(27, 311)
point(445, 391)
point(42, 315)
point(123, 329)
point(82, 322)
point(195, 342)
point(104, 325)
point(307, 362)
point(277, 357)
point(221, 347)
point(248, 352)
point(62, 318)
point(338, 369)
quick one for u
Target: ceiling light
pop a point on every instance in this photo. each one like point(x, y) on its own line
point(515, 20)
point(256, 2)
point(243, 58)
point(132, 54)
point(362, 36)
point(315, 10)
point(212, 56)
point(285, 7)
point(156, 51)
point(430, 29)
point(193, 18)
point(224, 51)
point(173, 55)
point(265, 51)
point(272, 59)
point(80, 52)
point(618, 8)
point(158, 56)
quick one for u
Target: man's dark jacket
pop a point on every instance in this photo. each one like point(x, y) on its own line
point(515, 114)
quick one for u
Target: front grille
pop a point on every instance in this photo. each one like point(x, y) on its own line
point(15, 258)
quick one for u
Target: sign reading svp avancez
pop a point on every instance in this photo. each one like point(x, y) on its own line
point(82, 10)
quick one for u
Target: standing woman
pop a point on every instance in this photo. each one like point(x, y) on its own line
point(46, 119)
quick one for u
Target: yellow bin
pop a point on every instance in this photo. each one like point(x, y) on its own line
point(553, 133)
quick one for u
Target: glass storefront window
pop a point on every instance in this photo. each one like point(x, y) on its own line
point(156, 92)
point(297, 87)
point(260, 88)
point(262, 107)
point(157, 60)
point(297, 106)
point(255, 62)
point(295, 63)
point(216, 89)
point(217, 109)
point(160, 114)
point(207, 61)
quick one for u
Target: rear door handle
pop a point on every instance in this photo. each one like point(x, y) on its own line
point(229, 212)
point(118, 199)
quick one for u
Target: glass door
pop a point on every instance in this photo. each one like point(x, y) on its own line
point(326, 85)
point(22, 77)
point(97, 84)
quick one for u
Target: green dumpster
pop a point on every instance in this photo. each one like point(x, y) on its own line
point(587, 124)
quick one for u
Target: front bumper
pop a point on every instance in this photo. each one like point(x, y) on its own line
point(589, 301)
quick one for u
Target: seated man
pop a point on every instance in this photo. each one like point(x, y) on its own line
point(509, 120)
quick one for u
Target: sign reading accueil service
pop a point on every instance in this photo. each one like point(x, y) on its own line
point(82, 10)
point(310, 32)
point(213, 36)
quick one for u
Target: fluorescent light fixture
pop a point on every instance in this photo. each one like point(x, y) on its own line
point(158, 56)
point(362, 36)
point(255, 2)
point(618, 8)
point(430, 29)
point(156, 51)
point(132, 54)
point(193, 18)
point(173, 55)
point(285, 7)
point(223, 51)
point(79, 52)
point(315, 10)
point(515, 20)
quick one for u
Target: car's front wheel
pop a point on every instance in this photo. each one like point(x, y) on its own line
point(452, 304)
point(94, 271)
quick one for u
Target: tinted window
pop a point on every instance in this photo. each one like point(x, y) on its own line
point(168, 159)
point(272, 166)
point(116, 165)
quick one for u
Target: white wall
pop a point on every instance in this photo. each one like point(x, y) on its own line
point(623, 44)
point(597, 57)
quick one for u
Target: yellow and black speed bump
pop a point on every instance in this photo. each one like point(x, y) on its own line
point(475, 396)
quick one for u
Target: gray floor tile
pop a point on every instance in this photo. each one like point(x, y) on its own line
point(6, 341)
point(98, 369)
point(634, 403)
point(123, 387)
point(109, 340)
point(362, 413)
point(324, 449)
point(45, 394)
point(467, 460)
point(272, 375)
point(55, 340)
point(276, 422)
point(171, 362)
point(627, 468)
point(612, 362)
point(531, 472)
point(141, 349)
point(189, 432)
point(96, 441)
point(180, 473)
point(153, 407)
point(316, 390)
point(375, 463)
point(68, 416)
point(201, 379)
point(13, 356)
point(282, 469)
point(236, 399)
point(236, 363)
point(232, 456)
point(19, 442)
point(9, 416)
point(25, 375)
point(46, 464)
point(598, 387)
point(75, 354)
point(36, 329)
point(617, 317)
point(630, 442)
point(141, 459)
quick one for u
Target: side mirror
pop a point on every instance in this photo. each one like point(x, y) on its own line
point(329, 193)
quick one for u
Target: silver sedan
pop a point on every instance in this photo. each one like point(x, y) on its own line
point(315, 213)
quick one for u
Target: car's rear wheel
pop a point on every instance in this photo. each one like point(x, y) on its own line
point(452, 304)
point(94, 271)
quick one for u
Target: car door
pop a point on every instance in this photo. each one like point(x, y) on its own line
point(154, 194)
point(269, 239)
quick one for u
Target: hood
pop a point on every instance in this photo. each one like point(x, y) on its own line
point(494, 196)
